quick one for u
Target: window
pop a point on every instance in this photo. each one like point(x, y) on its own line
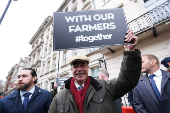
point(48, 66)
point(38, 71)
point(75, 9)
point(94, 72)
point(50, 48)
point(36, 42)
point(38, 55)
point(65, 57)
point(74, 1)
point(105, 1)
point(66, 9)
point(34, 59)
point(46, 85)
point(145, 1)
point(42, 36)
point(51, 35)
point(76, 52)
point(48, 30)
point(52, 85)
point(47, 39)
point(168, 47)
point(45, 52)
point(32, 46)
point(92, 50)
point(54, 63)
point(29, 63)
point(43, 69)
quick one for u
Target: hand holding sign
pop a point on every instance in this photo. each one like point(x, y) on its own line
point(130, 37)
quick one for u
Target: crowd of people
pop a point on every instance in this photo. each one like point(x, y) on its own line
point(84, 94)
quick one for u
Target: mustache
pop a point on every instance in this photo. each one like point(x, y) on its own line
point(21, 83)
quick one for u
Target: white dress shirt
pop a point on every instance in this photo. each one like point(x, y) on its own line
point(157, 79)
point(77, 85)
point(23, 92)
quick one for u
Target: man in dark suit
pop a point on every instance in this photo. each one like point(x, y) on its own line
point(152, 94)
point(28, 98)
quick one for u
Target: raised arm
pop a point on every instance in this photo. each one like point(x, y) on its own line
point(130, 69)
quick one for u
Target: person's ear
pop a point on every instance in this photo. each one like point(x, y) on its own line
point(34, 78)
point(168, 64)
point(153, 62)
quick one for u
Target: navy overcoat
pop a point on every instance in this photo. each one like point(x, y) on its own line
point(39, 102)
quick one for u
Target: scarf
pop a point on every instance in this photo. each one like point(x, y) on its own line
point(79, 96)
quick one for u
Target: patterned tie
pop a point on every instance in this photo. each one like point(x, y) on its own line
point(80, 87)
point(26, 99)
point(154, 86)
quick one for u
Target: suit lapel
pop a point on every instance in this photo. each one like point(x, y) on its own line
point(165, 78)
point(149, 88)
point(36, 92)
point(18, 102)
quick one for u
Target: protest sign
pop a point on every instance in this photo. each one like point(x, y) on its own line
point(82, 29)
point(60, 81)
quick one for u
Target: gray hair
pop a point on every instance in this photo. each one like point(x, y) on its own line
point(104, 72)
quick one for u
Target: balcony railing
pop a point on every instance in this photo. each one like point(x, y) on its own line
point(150, 19)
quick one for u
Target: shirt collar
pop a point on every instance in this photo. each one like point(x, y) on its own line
point(158, 73)
point(78, 85)
point(31, 91)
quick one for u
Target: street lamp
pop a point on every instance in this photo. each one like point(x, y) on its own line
point(6, 10)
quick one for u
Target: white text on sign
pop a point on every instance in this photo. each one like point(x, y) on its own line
point(99, 36)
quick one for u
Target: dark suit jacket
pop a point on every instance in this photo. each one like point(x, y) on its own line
point(130, 99)
point(118, 105)
point(145, 100)
point(39, 102)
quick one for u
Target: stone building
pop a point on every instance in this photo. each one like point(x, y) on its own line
point(8, 79)
point(22, 64)
point(12, 75)
point(42, 58)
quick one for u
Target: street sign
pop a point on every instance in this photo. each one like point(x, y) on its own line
point(60, 81)
point(82, 29)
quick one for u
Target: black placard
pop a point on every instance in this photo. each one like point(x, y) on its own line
point(82, 29)
point(60, 81)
